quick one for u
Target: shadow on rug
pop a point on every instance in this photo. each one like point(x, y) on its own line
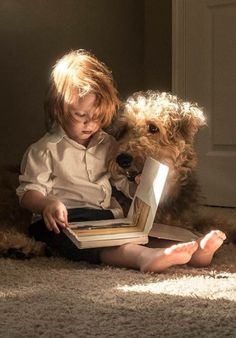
point(52, 297)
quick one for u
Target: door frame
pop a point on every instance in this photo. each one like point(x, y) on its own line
point(181, 73)
point(179, 48)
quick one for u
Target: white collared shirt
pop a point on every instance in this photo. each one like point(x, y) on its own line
point(75, 174)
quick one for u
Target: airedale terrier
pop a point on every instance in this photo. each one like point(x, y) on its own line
point(162, 126)
point(152, 124)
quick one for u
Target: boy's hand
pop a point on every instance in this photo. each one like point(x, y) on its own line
point(137, 179)
point(54, 214)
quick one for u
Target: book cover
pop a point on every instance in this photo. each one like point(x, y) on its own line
point(136, 226)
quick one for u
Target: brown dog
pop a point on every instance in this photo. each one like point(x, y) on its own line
point(152, 124)
point(162, 126)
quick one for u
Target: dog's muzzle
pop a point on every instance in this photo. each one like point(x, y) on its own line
point(124, 160)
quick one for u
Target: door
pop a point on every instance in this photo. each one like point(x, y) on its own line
point(204, 70)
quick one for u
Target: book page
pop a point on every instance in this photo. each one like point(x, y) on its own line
point(143, 208)
point(174, 233)
point(140, 212)
point(108, 223)
point(135, 228)
point(149, 192)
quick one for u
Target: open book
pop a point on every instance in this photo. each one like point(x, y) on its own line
point(136, 226)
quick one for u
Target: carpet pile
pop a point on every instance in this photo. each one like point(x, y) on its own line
point(52, 297)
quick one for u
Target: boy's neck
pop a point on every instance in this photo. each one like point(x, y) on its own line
point(84, 143)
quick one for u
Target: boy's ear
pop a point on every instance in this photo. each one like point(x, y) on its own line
point(190, 119)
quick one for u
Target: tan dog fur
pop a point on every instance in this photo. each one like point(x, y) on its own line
point(152, 124)
point(162, 126)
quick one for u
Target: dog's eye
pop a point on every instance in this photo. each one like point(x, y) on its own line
point(152, 128)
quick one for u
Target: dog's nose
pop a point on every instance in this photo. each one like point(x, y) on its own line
point(124, 160)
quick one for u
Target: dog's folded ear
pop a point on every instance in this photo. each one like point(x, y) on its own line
point(117, 128)
point(113, 129)
point(189, 120)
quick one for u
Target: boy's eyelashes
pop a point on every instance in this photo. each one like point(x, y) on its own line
point(80, 114)
point(85, 116)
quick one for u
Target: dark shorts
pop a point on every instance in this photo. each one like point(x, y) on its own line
point(61, 244)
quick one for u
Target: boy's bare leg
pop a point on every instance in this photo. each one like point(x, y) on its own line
point(207, 246)
point(148, 259)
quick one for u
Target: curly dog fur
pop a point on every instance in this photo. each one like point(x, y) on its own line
point(162, 126)
point(14, 221)
point(151, 124)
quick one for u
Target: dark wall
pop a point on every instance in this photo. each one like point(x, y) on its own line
point(157, 45)
point(34, 34)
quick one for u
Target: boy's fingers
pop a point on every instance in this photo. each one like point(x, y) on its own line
point(59, 215)
point(66, 219)
point(137, 179)
point(46, 221)
point(61, 223)
point(61, 218)
point(52, 225)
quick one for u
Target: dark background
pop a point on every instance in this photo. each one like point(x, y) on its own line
point(133, 37)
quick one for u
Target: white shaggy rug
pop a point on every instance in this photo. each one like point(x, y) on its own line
point(52, 297)
point(55, 298)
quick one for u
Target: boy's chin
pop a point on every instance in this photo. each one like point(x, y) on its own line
point(86, 137)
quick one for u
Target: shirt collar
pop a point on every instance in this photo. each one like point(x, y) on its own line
point(98, 138)
point(59, 134)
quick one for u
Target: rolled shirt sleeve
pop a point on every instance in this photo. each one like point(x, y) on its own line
point(35, 172)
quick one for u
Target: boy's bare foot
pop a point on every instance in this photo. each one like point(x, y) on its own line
point(157, 260)
point(207, 246)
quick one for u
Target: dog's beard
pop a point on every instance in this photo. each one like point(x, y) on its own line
point(131, 174)
point(134, 170)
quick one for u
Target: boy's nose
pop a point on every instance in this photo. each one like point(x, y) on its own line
point(87, 120)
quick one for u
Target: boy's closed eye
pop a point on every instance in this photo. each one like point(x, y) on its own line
point(90, 117)
point(80, 114)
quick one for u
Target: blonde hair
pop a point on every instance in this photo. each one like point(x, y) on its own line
point(79, 73)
